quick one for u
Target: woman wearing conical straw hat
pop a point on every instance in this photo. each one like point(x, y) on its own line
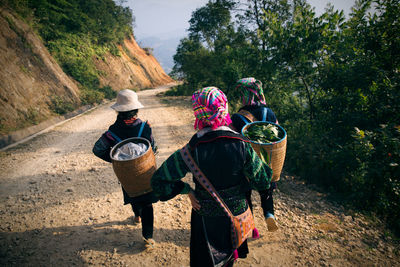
point(128, 125)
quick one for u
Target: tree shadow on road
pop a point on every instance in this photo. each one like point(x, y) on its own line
point(64, 245)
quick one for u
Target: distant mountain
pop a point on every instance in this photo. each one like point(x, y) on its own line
point(164, 46)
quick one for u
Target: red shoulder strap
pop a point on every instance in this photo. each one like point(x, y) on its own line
point(202, 179)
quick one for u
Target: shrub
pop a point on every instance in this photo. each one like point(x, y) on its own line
point(108, 92)
point(89, 97)
point(148, 50)
point(60, 106)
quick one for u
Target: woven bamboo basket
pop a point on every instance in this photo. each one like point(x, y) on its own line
point(135, 174)
point(275, 150)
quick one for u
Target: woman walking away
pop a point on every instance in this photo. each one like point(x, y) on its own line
point(255, 109)
point(126, 126)
point(225, 158)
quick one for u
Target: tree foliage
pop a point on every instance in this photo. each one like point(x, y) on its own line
point(333, 82)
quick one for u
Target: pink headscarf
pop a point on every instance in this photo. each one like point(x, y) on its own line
point(210, 108)
point(252, 91)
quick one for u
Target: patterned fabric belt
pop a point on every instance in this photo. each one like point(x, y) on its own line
point(233, 197)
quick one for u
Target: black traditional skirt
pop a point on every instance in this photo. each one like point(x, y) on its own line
point(210, 241)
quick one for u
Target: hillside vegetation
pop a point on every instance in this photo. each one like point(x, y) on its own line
point(76, 31)
point(333, 83)
point(89, 44)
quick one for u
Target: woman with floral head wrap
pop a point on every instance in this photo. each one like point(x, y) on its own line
point(255, 109)
point(226, 158)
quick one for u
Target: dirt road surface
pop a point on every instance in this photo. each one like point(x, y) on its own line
point(62, 206)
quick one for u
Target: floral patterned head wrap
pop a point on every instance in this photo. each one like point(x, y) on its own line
point(210, 108)
point(252, 92)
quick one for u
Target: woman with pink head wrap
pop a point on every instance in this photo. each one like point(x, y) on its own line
point(210, 107)
point(227, 160)
point(255, 109)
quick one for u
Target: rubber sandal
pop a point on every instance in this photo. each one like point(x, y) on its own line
point(271, 223)
point(256, 234)
point(235, 255)
point(135, 220)
point(149, 243)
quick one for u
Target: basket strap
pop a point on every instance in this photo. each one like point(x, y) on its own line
point(243, 119)
point(115, 136)
point(202, 179)
point(250, 117)
point(141, 128)
point(264, 114)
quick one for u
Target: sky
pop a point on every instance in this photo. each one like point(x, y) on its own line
point(163, 17)
point(160, 17)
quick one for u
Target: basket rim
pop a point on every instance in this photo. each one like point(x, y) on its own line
point(265, 122)
point(119, 144)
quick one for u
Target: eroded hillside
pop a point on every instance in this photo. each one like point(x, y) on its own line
point(134, 69)
point(31, 81)
point(29, 77)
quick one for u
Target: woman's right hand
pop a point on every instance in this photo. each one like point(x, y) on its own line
point(193, 200)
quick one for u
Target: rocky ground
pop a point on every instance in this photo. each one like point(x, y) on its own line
point(62, 206)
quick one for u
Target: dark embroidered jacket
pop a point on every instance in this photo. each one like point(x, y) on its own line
point(227, 159)
point(123, 129)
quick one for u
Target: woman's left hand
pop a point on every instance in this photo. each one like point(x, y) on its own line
point(193, 200)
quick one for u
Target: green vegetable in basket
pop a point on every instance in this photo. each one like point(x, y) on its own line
point(263, 133)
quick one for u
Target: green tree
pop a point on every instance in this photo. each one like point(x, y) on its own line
point(333, 83)
point(208, 21)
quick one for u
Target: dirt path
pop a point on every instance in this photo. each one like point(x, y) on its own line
point(62, 206)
